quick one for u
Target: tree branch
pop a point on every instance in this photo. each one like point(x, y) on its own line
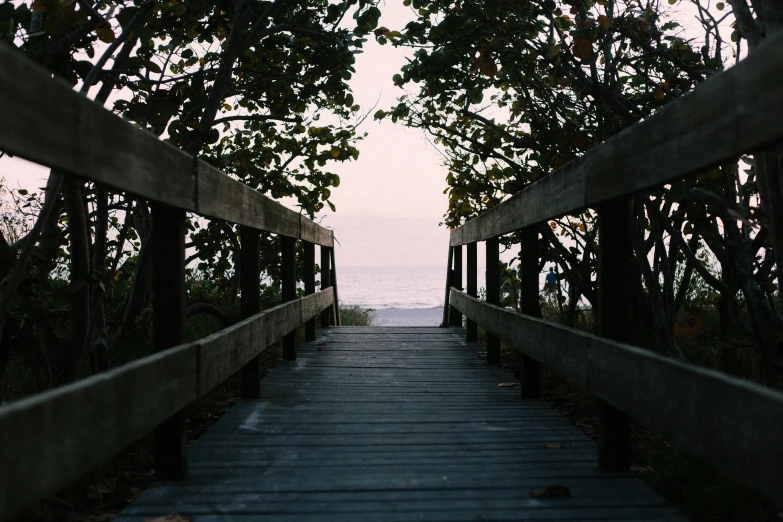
point(256, 117)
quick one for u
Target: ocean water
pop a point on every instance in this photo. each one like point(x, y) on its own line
point(385, 287)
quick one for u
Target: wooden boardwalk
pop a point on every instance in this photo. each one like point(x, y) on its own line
point(394, 424)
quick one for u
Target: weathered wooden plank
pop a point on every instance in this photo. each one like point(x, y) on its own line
point(313, 304)
point(446, 307)
point(308, 277)
point(383, 441)
point(52, 438)
point(530, 371)
point(492, 282)
point(732, 424)
point(561, 192)
point(616, 270)
point(594, 486)
point(734, 112)
point(43, 120)
point(472, 288)
point(250, 290)
point(288, 290)
point(169, 444)
point(315, 233)
point(410, 330)
point(222, 197)
point(224, 353)
point(588, 481)
point(338, 320)
point(455, 318)
point(323, 415)
point(327, 316)
point(440, 514)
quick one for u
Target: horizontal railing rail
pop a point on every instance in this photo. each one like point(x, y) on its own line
point(69, 430)
point(731, 113)
point(50, 439)
point(45, 121)
point(731, 424)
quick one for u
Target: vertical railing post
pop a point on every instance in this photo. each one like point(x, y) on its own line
point(455, 316)
point(445, 321)
point(472, 287)
point(615, 275)
point(337, 318)
point(529, 304)
point(493, 294)
point(308, 266)
point(288, 281)
point(326, 282)
point(168, 303)
point(250, 303)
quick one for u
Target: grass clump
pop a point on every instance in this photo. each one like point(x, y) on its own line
point(355, 316)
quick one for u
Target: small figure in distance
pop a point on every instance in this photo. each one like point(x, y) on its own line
point(550, 283)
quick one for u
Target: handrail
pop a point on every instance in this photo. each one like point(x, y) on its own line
point(739, 422)
point(733, 112)
point(69, 430)
point(731, 424)
point(52, 438)
point(43, 120)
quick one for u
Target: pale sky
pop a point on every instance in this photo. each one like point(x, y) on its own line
point(391, 199)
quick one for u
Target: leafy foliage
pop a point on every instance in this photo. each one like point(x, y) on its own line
point(509, 92)
point(256, 88)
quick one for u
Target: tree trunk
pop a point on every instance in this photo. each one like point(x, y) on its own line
point(137, 296)
point(79, 245)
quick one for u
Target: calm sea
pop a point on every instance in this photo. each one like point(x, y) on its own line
point(392, 286)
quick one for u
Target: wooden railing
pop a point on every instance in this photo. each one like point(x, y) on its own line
point(50, 439)
point(732, 424)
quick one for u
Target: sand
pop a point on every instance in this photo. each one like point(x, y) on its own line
point(407, 317)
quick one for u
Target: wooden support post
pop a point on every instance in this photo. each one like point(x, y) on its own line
point(308, 265)
point(455, 316)
point(531, 369)
point(288, 282)
point(338, 320)
point(493, 294)
point(326, 282)
point(250, 304)
point(615, 274)
point(472, 284)
point(168, 303)
point(445, 321)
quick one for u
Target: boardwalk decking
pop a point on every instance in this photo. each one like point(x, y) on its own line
point(394, 424)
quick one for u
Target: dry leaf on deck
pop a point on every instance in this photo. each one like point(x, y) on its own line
point(552, 445)
point(552, 492)
point(507, 384)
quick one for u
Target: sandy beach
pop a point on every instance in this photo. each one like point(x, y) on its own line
point(407, 317)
